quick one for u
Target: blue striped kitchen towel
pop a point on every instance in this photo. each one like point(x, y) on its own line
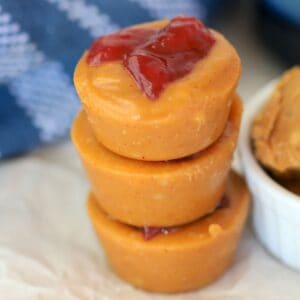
point(40, 42)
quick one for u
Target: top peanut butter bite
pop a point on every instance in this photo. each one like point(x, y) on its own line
point(160, 90)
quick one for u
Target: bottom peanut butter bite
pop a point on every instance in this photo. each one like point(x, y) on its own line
point(185, 258)
point(157, 193)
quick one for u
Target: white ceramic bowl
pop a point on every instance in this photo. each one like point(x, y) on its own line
point(276, 211)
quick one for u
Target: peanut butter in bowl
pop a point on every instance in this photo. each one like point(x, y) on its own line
point(275, 132)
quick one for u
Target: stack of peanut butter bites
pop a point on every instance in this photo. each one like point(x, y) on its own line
point(156, 136)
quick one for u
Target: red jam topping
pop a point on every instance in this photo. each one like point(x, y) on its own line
point(155, 57)
point(116, 45)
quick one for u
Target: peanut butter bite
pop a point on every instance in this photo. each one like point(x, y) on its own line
point(276, 129)
point(157, 193)
point(170, 111)
point(190, 257)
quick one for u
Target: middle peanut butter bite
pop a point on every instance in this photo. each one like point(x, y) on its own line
point(154, 103)
point(165, 193)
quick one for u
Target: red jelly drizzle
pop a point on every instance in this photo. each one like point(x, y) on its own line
point(224, 202)
point(150, 232)
point(155, 57)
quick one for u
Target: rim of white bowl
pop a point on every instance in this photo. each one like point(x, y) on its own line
point(248, 160)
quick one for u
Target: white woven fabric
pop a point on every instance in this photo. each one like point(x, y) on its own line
point(48, 249)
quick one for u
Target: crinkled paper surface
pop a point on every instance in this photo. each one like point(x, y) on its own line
point(48, 249)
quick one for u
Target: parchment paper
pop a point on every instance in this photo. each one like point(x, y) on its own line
point(48, 249)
